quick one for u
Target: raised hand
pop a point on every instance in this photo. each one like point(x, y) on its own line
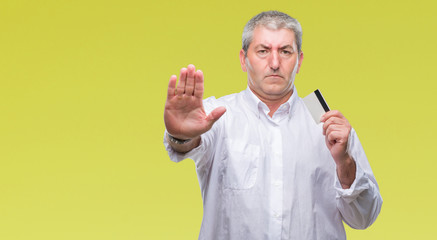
point(184, 115)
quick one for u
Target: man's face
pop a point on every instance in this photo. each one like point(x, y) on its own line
point(272, 62)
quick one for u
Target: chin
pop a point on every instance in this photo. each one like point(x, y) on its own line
point(276, 90)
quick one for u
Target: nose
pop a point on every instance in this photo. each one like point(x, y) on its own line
point(274, 61)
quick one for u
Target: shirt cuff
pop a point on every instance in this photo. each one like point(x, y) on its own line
point(359, 185)
point(177, 156)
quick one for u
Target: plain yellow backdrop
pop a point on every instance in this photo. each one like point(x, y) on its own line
point(82, 91)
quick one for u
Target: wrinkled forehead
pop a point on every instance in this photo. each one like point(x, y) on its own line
point(273, 37)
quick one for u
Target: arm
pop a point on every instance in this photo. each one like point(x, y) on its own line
point(184, 115)
point(336, 129)
point(358, 197)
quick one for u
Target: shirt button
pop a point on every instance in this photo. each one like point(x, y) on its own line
point(276, 215)
point(277, 184)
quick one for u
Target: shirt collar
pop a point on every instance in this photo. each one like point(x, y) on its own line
point(256, 106)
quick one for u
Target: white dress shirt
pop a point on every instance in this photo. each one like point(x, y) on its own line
point(265, 177)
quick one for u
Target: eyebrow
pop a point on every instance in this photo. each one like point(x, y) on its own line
point(287, 46)
point(283, 47)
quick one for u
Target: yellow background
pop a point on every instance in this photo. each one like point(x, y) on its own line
point(82, 91)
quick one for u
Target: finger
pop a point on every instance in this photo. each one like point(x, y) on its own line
point(215, 114)
point(339, 133)
point(331, 121)
point(198, 89)
point(332, 113)
point(171, 86)
point(182, 79)
point(332, 128)
point(189, 86)
point(335, 137)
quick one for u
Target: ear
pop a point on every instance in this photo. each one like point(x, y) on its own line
point(243, 60)
point(300, 61)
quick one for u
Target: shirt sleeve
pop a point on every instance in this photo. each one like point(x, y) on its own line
point(203, 153)
point(199, 154)
point(361, 203)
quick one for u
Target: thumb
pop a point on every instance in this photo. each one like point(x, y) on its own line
point(215, 115)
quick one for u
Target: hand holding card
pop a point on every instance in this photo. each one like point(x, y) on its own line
point(336, 129)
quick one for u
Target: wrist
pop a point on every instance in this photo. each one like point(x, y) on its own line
point(345, 162)
point(176, 140)
point(346, 172)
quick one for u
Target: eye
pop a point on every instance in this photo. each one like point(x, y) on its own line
point(262, 52)
point(286, 52)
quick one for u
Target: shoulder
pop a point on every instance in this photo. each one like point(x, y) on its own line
point(228, 101)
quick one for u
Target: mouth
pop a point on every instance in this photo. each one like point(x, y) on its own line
point(274, 76)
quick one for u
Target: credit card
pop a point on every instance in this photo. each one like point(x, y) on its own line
point(316, 104)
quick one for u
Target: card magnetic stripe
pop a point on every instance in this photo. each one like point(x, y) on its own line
point(321, 100)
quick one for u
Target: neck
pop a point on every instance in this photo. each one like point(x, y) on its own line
point(274, 103)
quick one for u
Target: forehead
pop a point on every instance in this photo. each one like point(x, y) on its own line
point(272, 38)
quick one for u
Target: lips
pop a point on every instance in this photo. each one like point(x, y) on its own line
point(274, 76)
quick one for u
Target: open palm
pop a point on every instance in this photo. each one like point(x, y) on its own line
point(184, 115)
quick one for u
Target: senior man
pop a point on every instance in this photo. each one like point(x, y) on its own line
point(266, 169)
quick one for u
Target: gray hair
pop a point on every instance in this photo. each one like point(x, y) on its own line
point(272, 20)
